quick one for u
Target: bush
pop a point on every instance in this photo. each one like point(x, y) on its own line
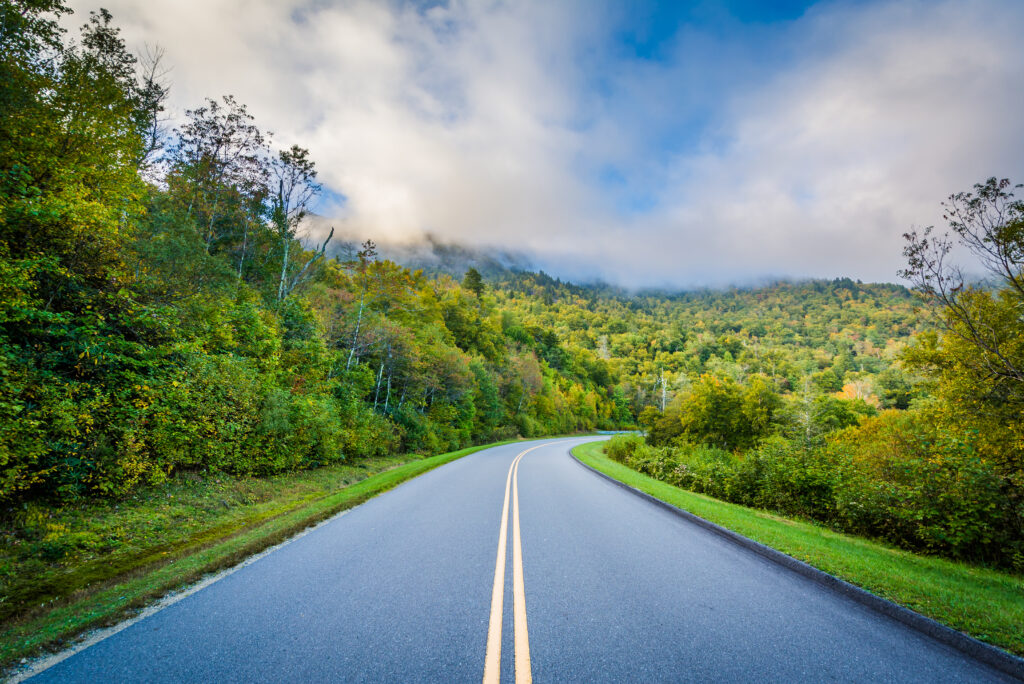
point(655, 462)
point(701, 468)
point(931, 495)
point(527, 426)
point(621, 448)
point(891, 478)
point(209, 418)
point(781, 476)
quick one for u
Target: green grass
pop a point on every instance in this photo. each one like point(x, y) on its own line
point(987, 604)
point(66, 570)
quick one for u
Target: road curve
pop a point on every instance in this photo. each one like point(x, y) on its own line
point(403, 589)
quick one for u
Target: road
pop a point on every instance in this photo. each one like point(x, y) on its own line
point(604, 586)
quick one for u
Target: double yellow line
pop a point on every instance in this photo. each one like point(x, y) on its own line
point(492, 662)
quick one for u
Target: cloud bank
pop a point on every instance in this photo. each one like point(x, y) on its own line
point(724, 151)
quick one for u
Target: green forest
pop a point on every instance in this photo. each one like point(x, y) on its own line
point(163, 312)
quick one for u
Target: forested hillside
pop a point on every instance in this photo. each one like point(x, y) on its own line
point(163, 311)
point(160, 313)
point(828, 337)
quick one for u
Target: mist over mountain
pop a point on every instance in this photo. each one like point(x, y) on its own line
point(428, 253)
point(435, 256)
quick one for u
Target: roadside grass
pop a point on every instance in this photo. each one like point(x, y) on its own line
point(67, 570)
point(984, 603)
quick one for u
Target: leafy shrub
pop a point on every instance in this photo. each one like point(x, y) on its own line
point(928, 493)
point(209, 419)
point(891, 478)
point(527, 425)
point(783, 477)
point(621, 448)
point(701, 468)
point(654, 461)
point(367, 433)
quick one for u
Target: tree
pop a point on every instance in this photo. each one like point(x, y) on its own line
point(70, 195)
point(977, 365)
point(489, 409)
point(473, 282)
point(894, 389)
point(813, 415)
point(720, 412)
point(69, 138)
point(713, 413)
point(153, 90)
point(30, 36)
point(366, 256)
point(761, 406)
point(527, 377)
point(989, 223)
point(296, 187)
point(219, 172)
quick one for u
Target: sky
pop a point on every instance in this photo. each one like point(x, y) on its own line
point(642, 143)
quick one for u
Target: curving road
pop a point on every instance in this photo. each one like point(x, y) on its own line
point(604, 587)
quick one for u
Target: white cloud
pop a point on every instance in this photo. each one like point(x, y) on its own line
point(479, 122)
point(830, 162)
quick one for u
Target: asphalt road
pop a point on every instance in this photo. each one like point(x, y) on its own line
point(616, 589)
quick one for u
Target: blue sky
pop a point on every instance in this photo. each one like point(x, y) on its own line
point(645, 143)
point(700, 52)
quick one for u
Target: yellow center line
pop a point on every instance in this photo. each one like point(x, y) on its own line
point(523, 673)
point(492, 660)
point(492, 663)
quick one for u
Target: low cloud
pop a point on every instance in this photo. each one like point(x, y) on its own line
point(524, 125)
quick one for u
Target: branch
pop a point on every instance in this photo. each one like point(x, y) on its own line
point(304, 274)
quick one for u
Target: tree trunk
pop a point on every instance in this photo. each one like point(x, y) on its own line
point(209, 227)
point(245, 245)
point(376, 394)
point(284, 270)
point(355, 335)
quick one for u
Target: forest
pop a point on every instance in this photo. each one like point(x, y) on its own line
point(165, 310)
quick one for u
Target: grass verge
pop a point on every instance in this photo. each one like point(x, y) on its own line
point(138, 550)
point(986, 604)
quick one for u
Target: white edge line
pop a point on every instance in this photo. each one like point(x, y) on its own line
point(93, 637)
